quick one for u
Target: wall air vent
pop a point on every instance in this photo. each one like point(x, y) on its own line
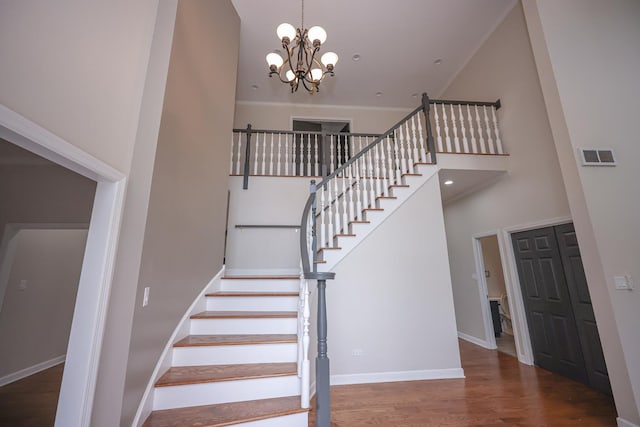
point(597, 157)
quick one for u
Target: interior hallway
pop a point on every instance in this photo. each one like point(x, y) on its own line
point(497, 391)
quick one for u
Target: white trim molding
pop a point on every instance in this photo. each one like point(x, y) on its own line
point(385, 377)
point(476, 341)
point(38, 367)
point(624, 423)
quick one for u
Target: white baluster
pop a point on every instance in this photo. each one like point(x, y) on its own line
point(256, 155)
point(410, 150)
point(401, 142)
point(456, 141)
point(483, 149)
point(390, 161)
point(239, 153)
point(279, 161)
point(344, 203)
point(363, 176)
point(372, 188)
point(271, 156)
point(423, 150)
point(417, 154)
point(301, 156)
point(349, 172)
point(305, 383)
point(487, 126)
point(465, 143)
point(474, 144)
point(323, 225)
point(438, 135)
point(264, 153)
point(331, 151)
point(329, 213)
point(309, 171)
point(286, 154)
point(446, 129)
point(376, 161)
point(339, 147)
point(396, 150)
point(495, 130)
point(336, 211)
point(358, 190)
point(383, 170)
point(315, 156)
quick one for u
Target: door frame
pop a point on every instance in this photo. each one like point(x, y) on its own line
point(85, 340)
point(520, 326)
point(481, 280)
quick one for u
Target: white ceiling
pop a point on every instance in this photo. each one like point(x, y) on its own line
point(398, 42)
point(465, 182)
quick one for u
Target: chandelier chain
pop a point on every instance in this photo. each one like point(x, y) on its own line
point(302, 17)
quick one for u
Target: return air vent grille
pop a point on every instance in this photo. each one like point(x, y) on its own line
point(597, 157)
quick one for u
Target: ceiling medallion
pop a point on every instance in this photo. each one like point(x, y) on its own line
point(301, 65)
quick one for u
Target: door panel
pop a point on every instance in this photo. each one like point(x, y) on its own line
point(583, 311)
point(555, 341)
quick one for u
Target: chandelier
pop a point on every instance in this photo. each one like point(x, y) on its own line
point(301, 65)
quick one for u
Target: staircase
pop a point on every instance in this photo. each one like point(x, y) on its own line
point(238, 365)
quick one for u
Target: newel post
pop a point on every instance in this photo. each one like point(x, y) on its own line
point(247, 155)
point(431, 146)
point(323, 400)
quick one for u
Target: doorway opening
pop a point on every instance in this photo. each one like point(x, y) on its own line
point(89, 313)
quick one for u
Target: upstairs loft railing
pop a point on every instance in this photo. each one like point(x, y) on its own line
point(460, 127)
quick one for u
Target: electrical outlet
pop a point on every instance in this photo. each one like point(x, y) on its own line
point(145, 297)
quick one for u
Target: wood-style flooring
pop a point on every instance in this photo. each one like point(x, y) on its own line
point(31, 401)
point(497, 392)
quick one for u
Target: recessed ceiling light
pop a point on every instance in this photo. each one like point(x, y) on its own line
point(356, 57)
point(448, 182)
point(414, 95)
point(438, 61)
point(254, 87)
point(378, 94)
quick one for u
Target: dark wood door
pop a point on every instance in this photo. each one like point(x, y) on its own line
point(582, 309)
point(549, 312)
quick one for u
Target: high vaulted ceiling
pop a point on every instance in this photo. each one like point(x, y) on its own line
point(398, 42)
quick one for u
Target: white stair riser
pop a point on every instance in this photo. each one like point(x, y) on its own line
point(243, 326)
point(253, 303)
point(225, 391)
point(256, 285)
point(293, 420)
point(235, 354)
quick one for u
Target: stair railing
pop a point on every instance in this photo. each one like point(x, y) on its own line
point(341, 198)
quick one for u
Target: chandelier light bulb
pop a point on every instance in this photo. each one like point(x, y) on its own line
point(316, 74)
point(317, 33)
point(286, 30)
point(329, 59)
point(273, 59)
point(290, 75)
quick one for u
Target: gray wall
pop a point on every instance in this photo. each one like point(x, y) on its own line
point(184, 239)
point(35, 319)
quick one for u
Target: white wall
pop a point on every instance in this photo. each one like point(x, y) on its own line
point(532, 190)
point(588, 62)
point(392, 299)
point(35, 318)
point(267, 201)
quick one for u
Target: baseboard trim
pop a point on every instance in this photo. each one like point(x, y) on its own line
point(146, 404)
point(476, 341)
point(385, 377)
point(262, 272)
point(624, 423)
point(23, 373)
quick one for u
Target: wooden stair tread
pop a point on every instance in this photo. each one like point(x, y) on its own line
point(252, 294)
point(183, 375)
point(399, 186)
point(243, 339)
point(244, 314)
point(386, 197)
point(372, 209)
point(359, 222)
point(225, 414)
point(345, 235)
point(336, 248)
point(411, 174)
point(261, 278)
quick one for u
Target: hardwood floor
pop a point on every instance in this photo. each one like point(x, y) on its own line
point(498, 391)
point(31, 401)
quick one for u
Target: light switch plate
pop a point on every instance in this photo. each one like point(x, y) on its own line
point(145, 297)
point(623, 283)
